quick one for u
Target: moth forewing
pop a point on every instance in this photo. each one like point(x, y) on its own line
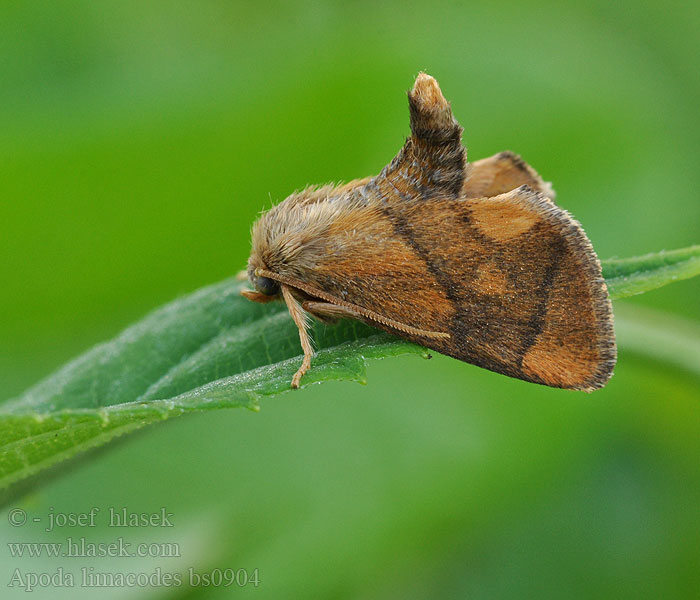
point(474, 261)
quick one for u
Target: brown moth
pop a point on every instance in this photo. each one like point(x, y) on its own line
point(473, 260)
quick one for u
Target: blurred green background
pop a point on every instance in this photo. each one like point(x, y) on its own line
point(139, 140)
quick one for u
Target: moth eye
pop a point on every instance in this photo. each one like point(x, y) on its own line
point(266, 286)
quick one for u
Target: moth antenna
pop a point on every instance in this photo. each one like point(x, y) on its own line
point(302, 321)
point(290, 282)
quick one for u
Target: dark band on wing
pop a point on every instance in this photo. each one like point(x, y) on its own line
point(536, 324)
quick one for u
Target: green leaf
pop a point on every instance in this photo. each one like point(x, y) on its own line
point(214, 349)
point(211, 349)
point(630, 276)
point(659, 336)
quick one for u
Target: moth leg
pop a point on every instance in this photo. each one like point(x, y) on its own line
point(301, 320)
point(502, 173)
point(326, 311)
point(257, 296)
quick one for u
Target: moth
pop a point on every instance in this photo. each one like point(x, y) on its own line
point(472, 260)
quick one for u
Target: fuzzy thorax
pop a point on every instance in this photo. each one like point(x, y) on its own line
point(294, 236)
